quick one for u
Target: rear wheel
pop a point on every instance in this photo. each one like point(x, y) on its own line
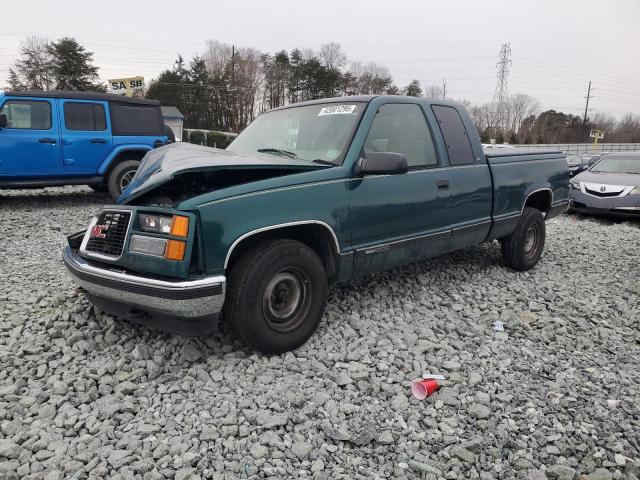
point(277, 293)
point(523, 248)
point(121, 176)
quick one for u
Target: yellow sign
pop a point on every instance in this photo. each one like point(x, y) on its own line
point(131, 87)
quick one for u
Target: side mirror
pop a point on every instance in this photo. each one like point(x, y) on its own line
point(382, 163)
point(3, 120)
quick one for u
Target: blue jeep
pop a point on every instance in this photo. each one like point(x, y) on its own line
point(75, 138)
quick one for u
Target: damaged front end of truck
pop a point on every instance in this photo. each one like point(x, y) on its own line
point(143, 258)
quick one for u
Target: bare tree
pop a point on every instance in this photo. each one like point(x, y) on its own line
point(217, 57)
point(519, 107)
point(33, 69)
point(332, 56)
point(433, 92)
point(605, 122)
point(628, 129)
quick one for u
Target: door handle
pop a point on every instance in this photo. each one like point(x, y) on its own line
point(52, 141)
point(98, 140)
point(158, 143)
point(443, 184)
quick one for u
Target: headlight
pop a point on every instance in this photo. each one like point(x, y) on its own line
point(635, 191)
point(175, 225)
point(155, 223)
point(574, 185)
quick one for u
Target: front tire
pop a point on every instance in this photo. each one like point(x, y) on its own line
point(121, 176)
point(523, 248)
point(277, 294)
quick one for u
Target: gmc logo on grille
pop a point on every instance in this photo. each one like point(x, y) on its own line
point(97, 231)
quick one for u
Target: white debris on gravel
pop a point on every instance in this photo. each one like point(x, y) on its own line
point(555, 395)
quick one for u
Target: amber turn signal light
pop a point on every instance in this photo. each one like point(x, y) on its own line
point(175, 250)
point(179, 226)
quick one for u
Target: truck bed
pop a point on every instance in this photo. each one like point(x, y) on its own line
point(514, 171)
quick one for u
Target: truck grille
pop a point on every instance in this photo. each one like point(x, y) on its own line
point(109, 240)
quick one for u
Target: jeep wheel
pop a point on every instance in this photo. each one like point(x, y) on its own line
point(522, 249)
point(121, 176)
point(276, 296)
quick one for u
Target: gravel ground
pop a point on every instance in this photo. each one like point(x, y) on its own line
point(555, 395)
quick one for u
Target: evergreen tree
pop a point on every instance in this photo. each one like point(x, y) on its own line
point(72, 66)
point(413, 89)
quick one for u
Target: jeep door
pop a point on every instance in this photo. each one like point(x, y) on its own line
point(30, 143)
point(399, 218)
point(86, 135)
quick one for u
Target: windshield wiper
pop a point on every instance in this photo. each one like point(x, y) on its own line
point(324, 162)
point(286, 153)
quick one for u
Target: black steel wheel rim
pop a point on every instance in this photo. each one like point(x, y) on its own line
point(286, 299)
point(532, 240)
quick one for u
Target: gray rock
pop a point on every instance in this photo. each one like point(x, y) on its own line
point(561, 472)
point(301, 449)
point(600, 474)
point(9, 449)
point(479, 411)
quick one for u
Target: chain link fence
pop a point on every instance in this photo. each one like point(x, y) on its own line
point(570, 148)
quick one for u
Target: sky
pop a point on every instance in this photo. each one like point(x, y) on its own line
point(557, 46)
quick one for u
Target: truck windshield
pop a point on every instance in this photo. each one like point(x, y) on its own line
point(319, 133)
point(617, 165)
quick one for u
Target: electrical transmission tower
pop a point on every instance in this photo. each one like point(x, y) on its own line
point(501, 95)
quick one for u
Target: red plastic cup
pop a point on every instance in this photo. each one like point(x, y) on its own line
point(421, 389)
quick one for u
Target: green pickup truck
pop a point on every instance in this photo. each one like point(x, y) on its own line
point(309, 194)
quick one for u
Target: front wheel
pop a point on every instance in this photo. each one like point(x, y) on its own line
point(522, 249)
point(277, 293)
point(121, 176)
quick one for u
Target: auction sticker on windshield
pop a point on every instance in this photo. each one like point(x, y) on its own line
point(337, 110)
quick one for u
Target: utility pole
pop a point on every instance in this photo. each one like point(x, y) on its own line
point(444, 90)
point(586, 108)
point(233, 87)
point(501, 94)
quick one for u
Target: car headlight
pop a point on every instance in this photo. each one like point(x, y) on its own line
point(574, 185)
point(175, 225)
point(635, 191)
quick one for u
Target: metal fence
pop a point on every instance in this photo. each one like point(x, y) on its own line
point(584, 147)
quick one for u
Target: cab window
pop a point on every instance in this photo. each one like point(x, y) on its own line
point(402, 128)
point(27, 114)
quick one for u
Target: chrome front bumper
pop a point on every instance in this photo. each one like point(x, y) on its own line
point(186, 299)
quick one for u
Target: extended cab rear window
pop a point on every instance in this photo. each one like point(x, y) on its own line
point(87, 117)
point(127, 119)
point(455, 135)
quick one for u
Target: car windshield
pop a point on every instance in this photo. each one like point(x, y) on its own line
point(617, 165)
point(318, 133)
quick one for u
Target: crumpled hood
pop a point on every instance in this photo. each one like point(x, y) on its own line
point(626, 179)
point(161, 165)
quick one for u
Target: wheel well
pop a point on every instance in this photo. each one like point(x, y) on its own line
point(315, 236)
point(540, 200)
point(124, 156)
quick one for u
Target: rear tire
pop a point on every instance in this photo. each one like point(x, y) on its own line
point(277, 294)
point(121, 176)
point(523, 248)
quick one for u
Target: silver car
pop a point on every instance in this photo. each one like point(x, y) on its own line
point(609, 187)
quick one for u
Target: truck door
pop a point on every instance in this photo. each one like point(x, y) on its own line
point(86, 135)
point(399, 218)
point(470, 178)
point(30, 143)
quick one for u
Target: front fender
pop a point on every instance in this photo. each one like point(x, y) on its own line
point(107, 162)
point(224, 222)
